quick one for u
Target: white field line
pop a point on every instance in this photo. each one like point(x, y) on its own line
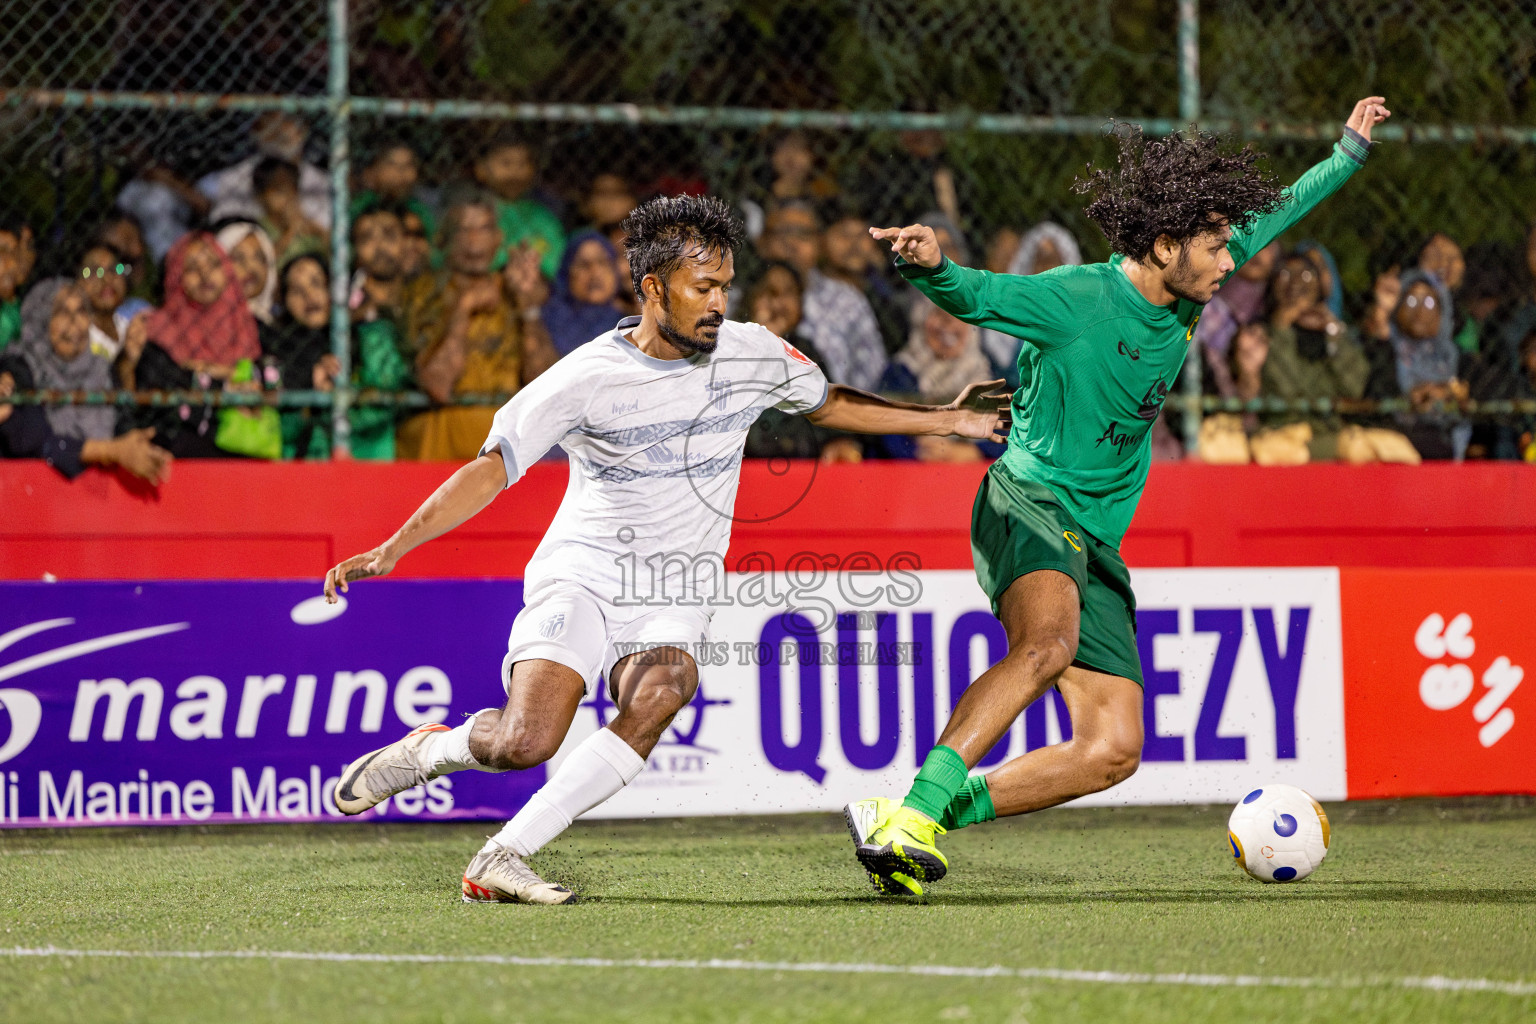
point(1435, 983)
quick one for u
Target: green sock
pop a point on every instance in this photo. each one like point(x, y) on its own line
point(943, 775)
point(971, 806)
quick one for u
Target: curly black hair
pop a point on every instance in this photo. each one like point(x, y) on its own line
point(661, 233)
point(1171, 186)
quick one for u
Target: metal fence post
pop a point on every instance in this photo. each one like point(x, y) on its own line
point(1189, 111)
point(341, 228)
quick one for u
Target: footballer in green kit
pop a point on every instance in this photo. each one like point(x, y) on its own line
point(1102, 345)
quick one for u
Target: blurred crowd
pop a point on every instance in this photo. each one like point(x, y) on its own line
point(479, 284)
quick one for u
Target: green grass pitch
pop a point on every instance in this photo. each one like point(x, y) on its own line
point(1412, 890)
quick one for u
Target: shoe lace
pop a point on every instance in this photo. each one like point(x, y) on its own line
point(397, 775)
point(509, 863)
point(921, 828)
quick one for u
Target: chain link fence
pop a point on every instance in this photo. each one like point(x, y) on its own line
point(879, 110)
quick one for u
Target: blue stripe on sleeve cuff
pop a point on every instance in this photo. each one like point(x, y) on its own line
point(1354, 145)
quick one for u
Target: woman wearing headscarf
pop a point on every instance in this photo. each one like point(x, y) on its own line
point(53, 352)
point(55, 341)
point(205, 325)
point(255, 261)
point(1043, 247)
point(941, 357)
point(582, 306)
point(296, 352)
point(1420, 363)
point(194, 341)
point(1328, 269)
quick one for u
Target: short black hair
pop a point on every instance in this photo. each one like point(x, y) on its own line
point(762, 277)
point(506, 137)
point(375, 206)
point(271, 168)
point(1171, 186)
point(116, 215)
point(663, 232)
point(381, 146)
point(11, 224)
point(117, 254)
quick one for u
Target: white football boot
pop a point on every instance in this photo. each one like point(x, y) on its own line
point(497, 875)
point(385, 772)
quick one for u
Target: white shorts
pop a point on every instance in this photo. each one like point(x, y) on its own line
point(566, 623)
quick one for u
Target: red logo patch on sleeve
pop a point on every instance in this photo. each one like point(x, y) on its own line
point(795, 353)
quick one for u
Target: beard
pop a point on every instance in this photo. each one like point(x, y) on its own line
point(383, 268)
point(668, 327)
point(1182, 281)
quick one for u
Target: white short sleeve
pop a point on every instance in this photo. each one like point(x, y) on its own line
point(804, 388)
point(537, 418)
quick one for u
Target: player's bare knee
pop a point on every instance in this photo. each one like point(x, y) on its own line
point(1043, 661)
point(522, 748)
point(665, 690)
point(1115, 758)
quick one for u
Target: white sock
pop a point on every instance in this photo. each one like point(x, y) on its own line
point(601, 766)
point(449, 751)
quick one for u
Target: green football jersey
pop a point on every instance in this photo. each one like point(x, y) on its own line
point(1099, 358)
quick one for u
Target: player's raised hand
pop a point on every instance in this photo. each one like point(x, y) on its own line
point(914, 243)
point(985, 412)
point(358, 567)
point(1368, 113)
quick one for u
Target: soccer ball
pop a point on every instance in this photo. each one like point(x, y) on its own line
point(1278, 833)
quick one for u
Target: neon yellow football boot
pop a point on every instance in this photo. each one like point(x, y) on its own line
point(904, 845)
point(864, 817)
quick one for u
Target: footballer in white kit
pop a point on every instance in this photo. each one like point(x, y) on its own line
point(654, 416)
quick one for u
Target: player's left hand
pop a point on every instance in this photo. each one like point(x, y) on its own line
point(1368, 113)
point(983, 412)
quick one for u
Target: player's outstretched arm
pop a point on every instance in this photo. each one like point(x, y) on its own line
point(469, 490)
point(1038, 308)
point(981, 412)
point(1318, 183)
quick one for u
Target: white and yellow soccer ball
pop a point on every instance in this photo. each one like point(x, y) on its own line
point(1278, 833)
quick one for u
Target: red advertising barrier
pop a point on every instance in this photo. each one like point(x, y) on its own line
point(233, 520)
point(1437, 584)
point(1435, 696)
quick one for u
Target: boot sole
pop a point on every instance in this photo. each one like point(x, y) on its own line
point(892, 859)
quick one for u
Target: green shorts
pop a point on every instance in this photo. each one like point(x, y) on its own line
point(1018, 527)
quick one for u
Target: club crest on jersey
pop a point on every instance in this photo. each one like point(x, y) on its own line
point(795, 353)
point(1152, 401)
point(552, 625)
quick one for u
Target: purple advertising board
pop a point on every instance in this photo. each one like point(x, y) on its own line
point(187, 702)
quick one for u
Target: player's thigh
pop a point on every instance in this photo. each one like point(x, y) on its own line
point(649, 656)
point(1106, 715)
point(554, 655)
point(1040, 611)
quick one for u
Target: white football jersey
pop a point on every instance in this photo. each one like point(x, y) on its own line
point(655, 451)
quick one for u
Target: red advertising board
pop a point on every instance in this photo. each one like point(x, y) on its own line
point(1436, 695)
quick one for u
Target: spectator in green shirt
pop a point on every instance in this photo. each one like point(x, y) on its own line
point(379, 242)
point(17, 256)
point(390, 176)
point(507, 167)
